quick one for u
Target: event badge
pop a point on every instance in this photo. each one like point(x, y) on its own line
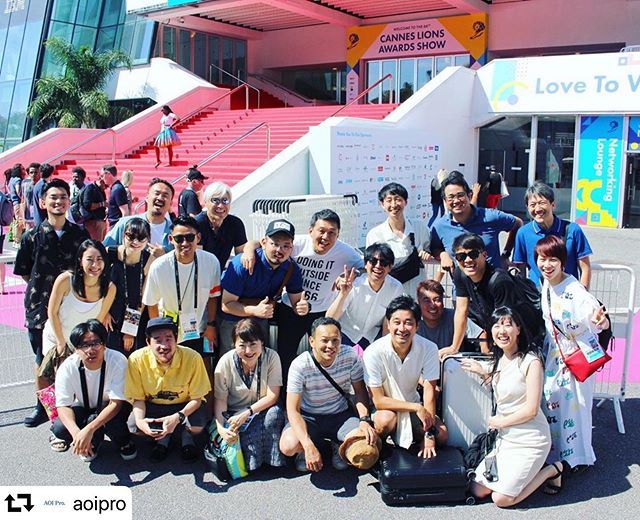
point(131, 322)
point(592, 350)
point(207, 347)
point(189, 326)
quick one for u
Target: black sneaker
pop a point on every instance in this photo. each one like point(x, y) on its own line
point(159, 452)
point(129, 451)
point(189, 453)
point(37, 417)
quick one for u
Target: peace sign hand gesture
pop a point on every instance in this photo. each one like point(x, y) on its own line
point(344, 283)
point(599, 318)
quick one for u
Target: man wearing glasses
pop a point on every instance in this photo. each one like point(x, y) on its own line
point(253, 293)
point(480, 290)
point(159, 198)
point(361, 302)
point(221, 233)
point(90, 396)
point(464, 217)
point(187, 282)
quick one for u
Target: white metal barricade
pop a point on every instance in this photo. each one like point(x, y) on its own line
point(615, 286)
point(298, 211)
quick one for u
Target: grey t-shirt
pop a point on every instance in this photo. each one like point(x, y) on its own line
point(443, 334)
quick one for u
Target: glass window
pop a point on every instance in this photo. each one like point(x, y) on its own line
point(425, 71)
point(214, 59)
point(373, 75)
point(407, 79)
point(6, 92)
point(442, 62)
point(29, 55)
point(184, 49)
point(142, 38)
point(554, 157)
point(126, 37)
point(111, 12)
point(19, 105)
point(107, 38)
point(169, 43)
point(200, 55)
point(65, 10)
point(9, 67)
point(227, 60)
point(464, 60)
point(88, 13)
point(241, 59)
point(84, 37)
point(389, 85)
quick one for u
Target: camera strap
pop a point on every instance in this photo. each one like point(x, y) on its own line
point(85, 392)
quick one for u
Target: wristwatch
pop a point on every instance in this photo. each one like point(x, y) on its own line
point(367, 419)
point(211, 324)
point(182, 417)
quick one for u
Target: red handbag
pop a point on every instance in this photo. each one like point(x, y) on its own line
point(576, 362)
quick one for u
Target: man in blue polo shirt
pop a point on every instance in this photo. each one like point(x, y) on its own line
point(255, 294)
point(540, 201)
point(464, 217)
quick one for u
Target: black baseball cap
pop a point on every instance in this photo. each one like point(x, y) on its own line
point(161, 323)
point(196, 175)
point(280, 226)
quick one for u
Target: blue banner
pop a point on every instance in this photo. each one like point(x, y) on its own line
point(599, 174)
point(633, 136)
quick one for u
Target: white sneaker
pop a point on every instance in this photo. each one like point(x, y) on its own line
point(336, 459)
point(301, 463)
point(88, 458)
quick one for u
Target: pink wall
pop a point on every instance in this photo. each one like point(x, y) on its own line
point(559, 23)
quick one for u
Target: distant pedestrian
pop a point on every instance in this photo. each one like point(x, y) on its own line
point(78, 176)
point(167, 138)
point(118, 200)
point(27, 185)
point(189, 199)
point(39, 214)
point(127, 181)
point(437, 204)
point(93, 205)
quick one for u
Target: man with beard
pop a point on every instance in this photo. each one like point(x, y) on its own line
point(159, 198)
point(253, 293)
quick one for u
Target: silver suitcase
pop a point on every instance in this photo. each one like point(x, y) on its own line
point(466, 401)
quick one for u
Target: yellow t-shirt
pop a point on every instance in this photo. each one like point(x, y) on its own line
point(185, 379)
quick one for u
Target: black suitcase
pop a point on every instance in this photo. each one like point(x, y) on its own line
point(406, 479)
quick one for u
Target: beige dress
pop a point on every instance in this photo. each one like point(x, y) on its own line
point(521, 450)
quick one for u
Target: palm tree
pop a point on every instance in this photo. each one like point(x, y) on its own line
point(77, 97)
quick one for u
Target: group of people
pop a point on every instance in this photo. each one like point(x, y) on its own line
point(298, 338)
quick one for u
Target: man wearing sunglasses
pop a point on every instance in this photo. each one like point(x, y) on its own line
point(361, 302)
point(480, 290)
point(187, 282)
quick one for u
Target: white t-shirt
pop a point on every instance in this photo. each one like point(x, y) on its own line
point(69, 391)
point(402, 247)
point(167, 120)
point(161, 286)
point(422, 360)
point(157, 233)
point(319, 272)
point(364, 309)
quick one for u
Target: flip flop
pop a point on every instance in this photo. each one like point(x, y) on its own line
point(550, 488)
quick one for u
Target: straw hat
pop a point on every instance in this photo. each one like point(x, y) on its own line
point(359, 453)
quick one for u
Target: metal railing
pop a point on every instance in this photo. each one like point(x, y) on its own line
point(220, 152)
point(73, 147)
point(364, 93)
point(286, 91)
point(212, 66)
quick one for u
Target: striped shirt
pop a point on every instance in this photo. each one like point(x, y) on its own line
point(319, 397)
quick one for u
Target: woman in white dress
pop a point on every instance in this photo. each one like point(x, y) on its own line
point(577, 319)
point(523, 440)
point(402, 235)
point(167, 138)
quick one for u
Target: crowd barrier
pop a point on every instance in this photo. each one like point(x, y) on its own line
point(615, 286)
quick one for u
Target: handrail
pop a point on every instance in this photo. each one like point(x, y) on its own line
point(287, 91)
point(237, 79)
point(220, 152)
point(364, 93)
point(85, 141)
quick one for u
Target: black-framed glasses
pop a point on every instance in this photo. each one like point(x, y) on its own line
point(131, 237)
point(189, 237)
point(90, 345)
point(217, 200)
point(462, 256)
point(376, 261)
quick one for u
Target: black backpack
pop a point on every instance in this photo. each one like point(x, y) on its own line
point(6, 210)
point(529, 297)
point(76, 207)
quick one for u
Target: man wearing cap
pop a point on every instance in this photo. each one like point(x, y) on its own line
point(188, 201)
point(318, 410)
point(394, 366)
point(167, 384)
point(253, 293)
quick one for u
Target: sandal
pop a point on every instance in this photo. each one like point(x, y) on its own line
point(554, 484)
point(58, 445)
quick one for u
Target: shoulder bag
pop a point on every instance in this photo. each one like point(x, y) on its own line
point(410, 267)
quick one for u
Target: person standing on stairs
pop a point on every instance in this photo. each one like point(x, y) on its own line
point(167, 138)
point(188, 201)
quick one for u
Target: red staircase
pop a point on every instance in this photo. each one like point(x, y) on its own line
point(210, 130)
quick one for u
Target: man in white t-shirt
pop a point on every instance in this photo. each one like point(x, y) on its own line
point(322, 259)
point(394, 366)
point(170, 287)
point(361, 302)
point(86, 414)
